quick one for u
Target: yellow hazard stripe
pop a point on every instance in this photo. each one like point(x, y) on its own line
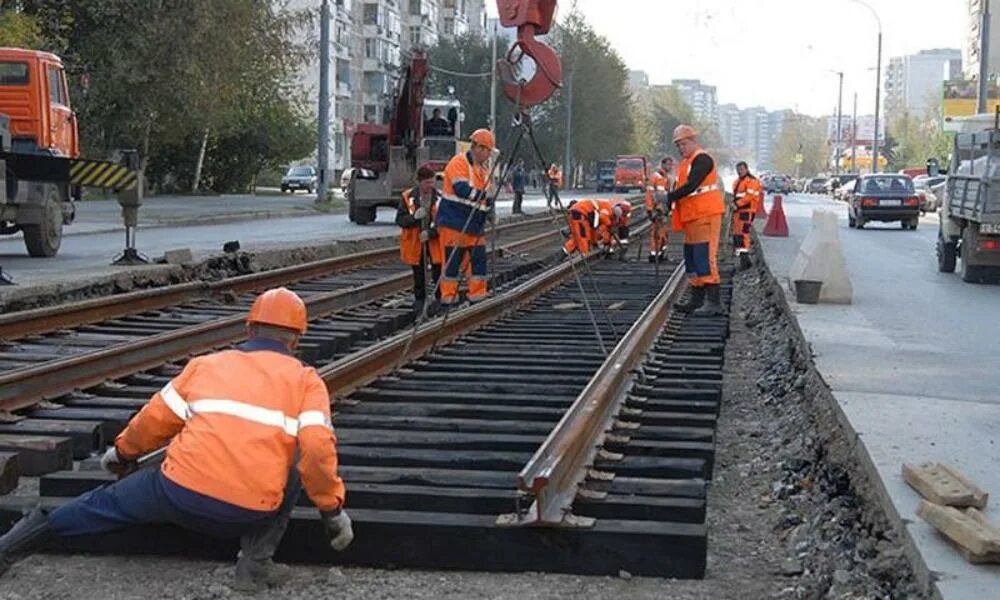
point(102, 174)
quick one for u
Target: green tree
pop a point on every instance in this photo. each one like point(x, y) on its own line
point(19, 30)
point(912, 140)
point(805, 135)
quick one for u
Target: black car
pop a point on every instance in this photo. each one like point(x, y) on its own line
point(885, 198)
point(299, 178)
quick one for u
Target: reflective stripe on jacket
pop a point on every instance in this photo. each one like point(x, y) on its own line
point(464, 194)
point(233, 420)
point(706, 201)
point(747, 193)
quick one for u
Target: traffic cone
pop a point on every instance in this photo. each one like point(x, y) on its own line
point(777, 225)
point(761, 211)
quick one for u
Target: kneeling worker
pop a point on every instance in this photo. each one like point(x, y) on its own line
point(418, 241)
point(235, 421)
point(698, 208)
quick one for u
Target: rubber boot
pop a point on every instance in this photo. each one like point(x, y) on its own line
point(745, 262)
point(652, 257)
point(26, 535)
point(418, 308)
point(713, 307)
point(697, 299)
point(255, 569)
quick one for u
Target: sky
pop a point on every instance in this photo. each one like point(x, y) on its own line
point(775, 53)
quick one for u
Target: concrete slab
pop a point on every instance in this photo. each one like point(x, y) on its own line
point(912, 364)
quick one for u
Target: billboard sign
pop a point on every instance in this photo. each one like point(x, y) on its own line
point(865, 133)
point(960, 97)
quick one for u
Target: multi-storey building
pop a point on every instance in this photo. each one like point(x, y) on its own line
point(700, 97)
point(370, 40)
point(731, 128)
point(912, 84)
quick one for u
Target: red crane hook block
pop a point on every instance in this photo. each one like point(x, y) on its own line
point(531, 17)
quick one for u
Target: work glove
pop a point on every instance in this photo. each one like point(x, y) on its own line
point(338, 525)
point(420, 213)
point(112, 463)
point(425, 236)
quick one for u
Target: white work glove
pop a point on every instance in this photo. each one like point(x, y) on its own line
point(338, 525)
point(111, 462)
point(420, 213)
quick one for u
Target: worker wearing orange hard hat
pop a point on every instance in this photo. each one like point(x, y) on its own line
point(748, 193)
point(419, 242)
point(660, 184)
point(234, 424)
point(461, 218)
point(699, 204)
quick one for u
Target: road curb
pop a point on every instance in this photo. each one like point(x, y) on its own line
point(212, 220)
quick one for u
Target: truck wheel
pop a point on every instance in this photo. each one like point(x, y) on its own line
point(44, 239)
point(362, 215)
point(969, 273)
point(946, 255)
point(851, 221)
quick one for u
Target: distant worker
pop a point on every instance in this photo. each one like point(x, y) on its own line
point(437, 125)
point(462, 213)
point(699, 204)
point(748, 193)
point(517, 181)
point(612, 215)
point(624, 224)
point(585, 221)
point(661, 182)
point(234, 424)
point(419, 242)
point(553, 185)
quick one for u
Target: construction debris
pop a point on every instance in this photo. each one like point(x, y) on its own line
point(944, 485)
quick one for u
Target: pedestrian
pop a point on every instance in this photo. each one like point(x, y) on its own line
point(463, 210)
point(419, 242)
point(517, 182)
point(661, 182)
point(748, 193)
point(698, 204)
point(554, 181)
point(233, 423)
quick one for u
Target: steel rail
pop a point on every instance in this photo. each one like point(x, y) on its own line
point(361, 368)
point(561, 463)
point(23, 323)
point(25, 387)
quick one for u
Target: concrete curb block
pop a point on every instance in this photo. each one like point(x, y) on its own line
point(211, 220)
point(859, 452)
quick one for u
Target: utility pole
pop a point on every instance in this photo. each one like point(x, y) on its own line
point(854, 136)
point(878, 98)
point(984, 58)
point(493, 81)
point(840, 99)
point(567, 166)
point(322, 152)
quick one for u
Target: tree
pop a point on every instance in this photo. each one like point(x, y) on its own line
point(805, 135)
point(19, 30)
point(912, 140)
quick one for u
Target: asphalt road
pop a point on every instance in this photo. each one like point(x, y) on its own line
point(89, 247)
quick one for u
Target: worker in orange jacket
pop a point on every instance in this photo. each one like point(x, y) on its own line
point(699, 204)
point(462, 214)
point(234, 424)
point(555, 182)
point(419, 242)
point(748, 193)
point(586, 219)
point(613, 212)
point(661, 182)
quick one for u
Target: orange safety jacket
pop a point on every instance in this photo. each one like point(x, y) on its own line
point(463, 196)
point(656, 191)
point(706, 201)
point(233, 420)
point(747, 193)
point(410, 246)
point(555, 176)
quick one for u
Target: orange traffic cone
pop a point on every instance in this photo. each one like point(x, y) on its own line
point(777, 225)
point(761, 211)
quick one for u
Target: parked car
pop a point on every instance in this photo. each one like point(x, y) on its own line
point(777, 184)
point(883, 197)
point(928, 199)
point(843, 189)
point(836, 181)
point(302, 177)
point(816, 185)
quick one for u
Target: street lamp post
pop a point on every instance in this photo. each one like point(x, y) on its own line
point(323, 149)
point(878, 83)
point(840, 101)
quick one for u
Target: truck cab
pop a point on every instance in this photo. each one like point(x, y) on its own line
point(631, 171)
point(40, 120)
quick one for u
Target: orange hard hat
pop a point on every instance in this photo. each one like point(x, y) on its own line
point(484, 137)
point(280, 307)
point(683, 132)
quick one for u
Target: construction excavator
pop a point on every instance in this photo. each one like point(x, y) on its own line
point(385, 157)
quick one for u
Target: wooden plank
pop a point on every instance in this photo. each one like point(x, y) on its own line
point(9, 472)
point(39, 454)
point(966, 531)
point(943, 485)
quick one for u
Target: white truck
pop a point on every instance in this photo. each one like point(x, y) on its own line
point(969, 233)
